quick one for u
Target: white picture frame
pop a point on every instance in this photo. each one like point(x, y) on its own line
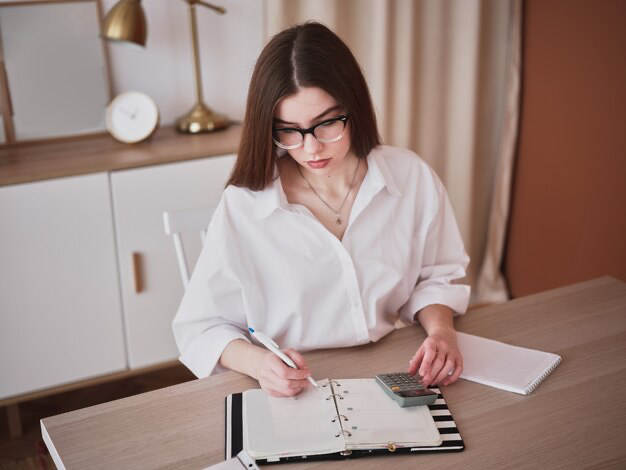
point(54, 70)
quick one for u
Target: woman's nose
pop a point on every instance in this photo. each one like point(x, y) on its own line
point(311, 144)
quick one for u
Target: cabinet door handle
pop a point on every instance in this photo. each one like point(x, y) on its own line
point(137, 272)
point(4, 80)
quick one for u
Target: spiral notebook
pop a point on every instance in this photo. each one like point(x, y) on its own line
point(343, 418)
point(500, 365)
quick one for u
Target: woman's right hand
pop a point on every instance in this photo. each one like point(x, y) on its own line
point(280, 380)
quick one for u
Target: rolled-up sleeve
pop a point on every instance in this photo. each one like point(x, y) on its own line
point(443, 260)
point(211, 314)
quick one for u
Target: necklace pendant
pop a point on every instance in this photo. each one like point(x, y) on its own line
point(356, 170)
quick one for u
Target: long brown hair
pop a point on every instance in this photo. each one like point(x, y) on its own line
point(306, 55)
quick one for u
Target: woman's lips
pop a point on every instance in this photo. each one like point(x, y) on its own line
point(317, 164)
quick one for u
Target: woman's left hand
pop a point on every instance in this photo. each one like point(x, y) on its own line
point(438, 360)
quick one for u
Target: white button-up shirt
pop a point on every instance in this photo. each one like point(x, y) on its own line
point(273, 266)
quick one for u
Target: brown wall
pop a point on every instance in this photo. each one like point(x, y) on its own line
point(568, 213)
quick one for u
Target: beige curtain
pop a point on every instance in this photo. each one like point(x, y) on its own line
point(437, 71)
point(491, 285)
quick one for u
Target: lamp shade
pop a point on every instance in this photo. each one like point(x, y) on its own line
point(126, 21)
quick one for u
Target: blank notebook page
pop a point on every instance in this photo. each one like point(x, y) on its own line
point(275, 426)
point(375, 419)
point(500, 365)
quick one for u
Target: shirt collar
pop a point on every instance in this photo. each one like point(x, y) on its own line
point(273, 197)
point(380, 174)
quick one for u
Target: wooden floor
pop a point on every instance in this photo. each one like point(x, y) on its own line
point(29, 451)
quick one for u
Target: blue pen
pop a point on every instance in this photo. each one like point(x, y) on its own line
point(272, 346)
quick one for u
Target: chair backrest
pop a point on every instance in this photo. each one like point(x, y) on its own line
point(185, 221)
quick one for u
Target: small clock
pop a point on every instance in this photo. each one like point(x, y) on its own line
point(132, 117)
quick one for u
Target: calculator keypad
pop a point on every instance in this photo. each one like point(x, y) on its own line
point(400, 381)
point(405, 389)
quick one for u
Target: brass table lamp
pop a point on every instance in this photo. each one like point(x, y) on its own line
point(126, 21)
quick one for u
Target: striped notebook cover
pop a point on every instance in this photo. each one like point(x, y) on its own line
point(450, 435)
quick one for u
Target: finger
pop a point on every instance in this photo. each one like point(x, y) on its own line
point(288, 393)
point(429, 356)
point(294, 391)
point(282, 370)
point(297, 358)
point(416, 361)
point(288, 378)
point(435, 367)
point(270, 388)
point(445, 371)
point(288, 384)
point(283, 389)
point(458, 370)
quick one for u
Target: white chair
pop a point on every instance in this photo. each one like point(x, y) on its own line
point(184, 221)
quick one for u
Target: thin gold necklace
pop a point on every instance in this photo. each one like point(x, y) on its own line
point(337, 212)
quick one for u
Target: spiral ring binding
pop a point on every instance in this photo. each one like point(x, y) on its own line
point(330, 381)
point(334, 395)
point(339, 416)
point(343, 431)
point(532, 385)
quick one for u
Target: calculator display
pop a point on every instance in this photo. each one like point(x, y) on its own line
point(415, 393)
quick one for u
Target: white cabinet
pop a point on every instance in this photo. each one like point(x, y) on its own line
point(60, 312)
point(139, 198)
point(69, 309)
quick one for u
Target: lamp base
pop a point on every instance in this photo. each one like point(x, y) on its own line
point(201, 119)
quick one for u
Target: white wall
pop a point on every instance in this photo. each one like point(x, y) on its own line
point(229, 46)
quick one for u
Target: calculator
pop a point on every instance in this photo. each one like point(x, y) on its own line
point(405, 389)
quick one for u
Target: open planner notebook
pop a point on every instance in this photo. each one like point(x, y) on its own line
point(342, 418)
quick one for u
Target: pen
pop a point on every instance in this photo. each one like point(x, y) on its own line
point(272, 346)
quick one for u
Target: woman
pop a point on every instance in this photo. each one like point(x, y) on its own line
point(323, 238)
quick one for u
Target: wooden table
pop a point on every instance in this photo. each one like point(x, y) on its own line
point(575, 419)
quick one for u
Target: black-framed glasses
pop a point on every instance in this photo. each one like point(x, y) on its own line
point(330, 130)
